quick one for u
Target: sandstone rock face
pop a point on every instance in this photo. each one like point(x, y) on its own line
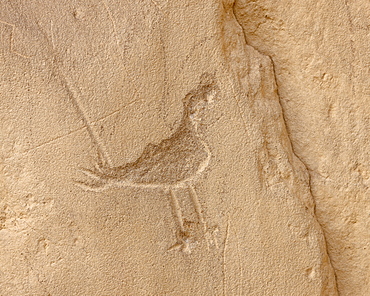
point(180, 148)
point(320, 54)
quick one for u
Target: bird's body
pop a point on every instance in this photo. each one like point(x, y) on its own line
point(172, 163)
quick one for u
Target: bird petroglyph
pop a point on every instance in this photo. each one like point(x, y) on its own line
point(176, 162)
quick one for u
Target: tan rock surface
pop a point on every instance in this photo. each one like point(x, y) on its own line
point(83, 81)
point(321, 55)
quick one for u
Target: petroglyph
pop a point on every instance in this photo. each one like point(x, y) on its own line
point(176, 162)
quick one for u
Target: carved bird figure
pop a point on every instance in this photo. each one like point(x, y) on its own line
point(176, 162)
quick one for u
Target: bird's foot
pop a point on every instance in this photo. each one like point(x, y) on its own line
point(184, 244)
point(210, 235)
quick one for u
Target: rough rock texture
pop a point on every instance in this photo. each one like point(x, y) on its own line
point(89, 86)
point(321, 56)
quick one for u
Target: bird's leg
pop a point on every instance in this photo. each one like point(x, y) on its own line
point(184, 242)
point(177, 210)
point(198, 209)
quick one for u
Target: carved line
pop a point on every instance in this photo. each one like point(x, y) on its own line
point(74, 131)
point(12, 33)
point(158, 6)
point(198, 209)
point(241, 270)
point(74, 96)
point(93, 135)
point(224, 255)
point(237, 99)
point(112, 20)
point(177, 210)
point(191, 52)
point(165, 93)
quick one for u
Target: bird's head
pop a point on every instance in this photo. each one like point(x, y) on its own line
point(201, 98)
